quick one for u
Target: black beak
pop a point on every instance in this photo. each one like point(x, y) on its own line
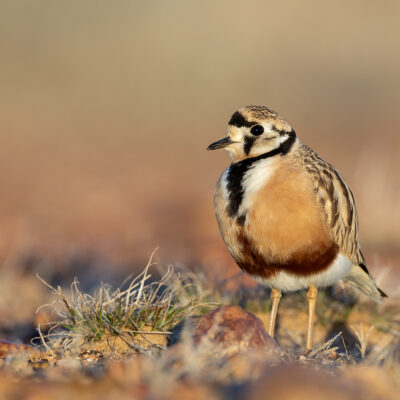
point(220, 143)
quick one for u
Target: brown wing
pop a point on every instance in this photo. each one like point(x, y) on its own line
point(337, 203)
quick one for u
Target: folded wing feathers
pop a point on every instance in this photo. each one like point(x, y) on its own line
point(362, 280)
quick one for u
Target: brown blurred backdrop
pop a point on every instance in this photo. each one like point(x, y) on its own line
point(106, 109)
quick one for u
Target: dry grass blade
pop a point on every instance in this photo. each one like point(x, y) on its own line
point(362, 337)
point(142, 282)
point(326, 348)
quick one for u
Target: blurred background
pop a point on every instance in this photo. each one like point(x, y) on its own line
point(106, 109)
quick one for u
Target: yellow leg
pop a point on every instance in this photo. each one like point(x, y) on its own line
point(312, 300)
point(275, 296)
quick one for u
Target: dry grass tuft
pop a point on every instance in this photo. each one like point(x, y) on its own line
point(140, 317)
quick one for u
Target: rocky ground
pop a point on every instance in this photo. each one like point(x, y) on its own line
point(173, 338)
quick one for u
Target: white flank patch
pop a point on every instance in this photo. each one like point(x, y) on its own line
point(289, 283)
point(255, 179)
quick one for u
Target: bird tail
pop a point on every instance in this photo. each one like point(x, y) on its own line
point(362, 280)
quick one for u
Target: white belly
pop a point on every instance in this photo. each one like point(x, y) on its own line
point(289, 282)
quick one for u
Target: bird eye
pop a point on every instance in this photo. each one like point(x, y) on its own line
point(257, 130)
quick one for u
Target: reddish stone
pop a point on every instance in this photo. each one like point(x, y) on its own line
point(232, 326)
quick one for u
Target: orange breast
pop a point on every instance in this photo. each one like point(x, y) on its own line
point(286, 228)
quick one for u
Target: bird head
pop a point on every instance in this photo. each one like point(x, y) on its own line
point(254, 130)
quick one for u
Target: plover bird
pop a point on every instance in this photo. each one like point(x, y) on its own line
point(287, 217)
